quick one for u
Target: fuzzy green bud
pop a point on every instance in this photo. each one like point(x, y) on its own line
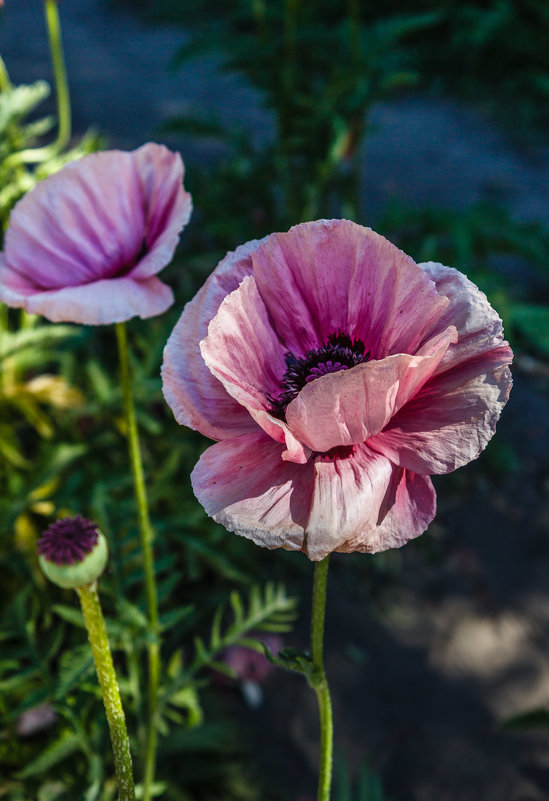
point(72, 552)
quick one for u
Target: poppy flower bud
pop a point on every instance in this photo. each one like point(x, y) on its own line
point(72, 552)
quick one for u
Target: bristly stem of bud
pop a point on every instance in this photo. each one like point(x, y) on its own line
point(97, 634)
point(320, 683)
point(147, 537)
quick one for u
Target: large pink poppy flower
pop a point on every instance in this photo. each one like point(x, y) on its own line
point(85, 245)
point(337, 375)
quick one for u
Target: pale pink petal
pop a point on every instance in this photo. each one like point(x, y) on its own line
point(97, 219)
point(349, 406)
point(168, 206)
point(408, 508)
point(245, 485)
point(103, 302)
point(452, 419)
point(347, 498)
point(75, 227)
point(334, 275)
point(14, 287)
point(361, 502)
point(478, 324)
point(195, 396)
point(242, 350)
point(244, 354)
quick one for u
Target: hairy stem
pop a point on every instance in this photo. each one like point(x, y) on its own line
point(147, 537)
point(320, 683)
point(97, 634)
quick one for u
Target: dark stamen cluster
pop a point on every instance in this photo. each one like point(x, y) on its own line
point(68, 540)
point(339, 352)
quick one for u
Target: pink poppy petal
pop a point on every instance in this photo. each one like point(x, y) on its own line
point(97, 219)
point(347, 498)
point(478, 324)
point(14, 287)
point(244, 484)
point(195, 396)
point(334, 275)
point(242, 350)
point(103, 302)
point(168, 205)
point(244, 354)
point(408, 509)
point(452, 418)
point(349, 406)
point(83, 224)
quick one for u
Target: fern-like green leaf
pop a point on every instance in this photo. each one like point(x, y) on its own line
point(65, 745)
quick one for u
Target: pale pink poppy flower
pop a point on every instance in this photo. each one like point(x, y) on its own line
point(86, 244)
point(337, 375)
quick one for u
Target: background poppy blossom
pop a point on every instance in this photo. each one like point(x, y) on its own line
point(337, 375)
point(86, 244)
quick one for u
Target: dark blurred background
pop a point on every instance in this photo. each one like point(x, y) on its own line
point(427, 121)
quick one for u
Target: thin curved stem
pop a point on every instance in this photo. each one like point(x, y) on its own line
point(147, 537)
point(320, 683)
point(97, 634)
point(38, 154)
point(60, 75)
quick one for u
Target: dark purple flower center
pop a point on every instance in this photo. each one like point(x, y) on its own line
point(338, 352)
point(68, 540)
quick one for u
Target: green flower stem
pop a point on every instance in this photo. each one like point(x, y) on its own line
point(147, 537)
point(97, 634)
point(4, 77)
point(37, 155)
point(60, 74)
point(320, 684)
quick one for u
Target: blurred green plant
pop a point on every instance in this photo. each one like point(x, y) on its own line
point(23, 161)
point(320, 75)
point(496, 251)
point(45, 661)
point(368, 786)
point(491, 52)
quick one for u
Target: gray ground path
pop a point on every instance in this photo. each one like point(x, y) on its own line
point(461, 643)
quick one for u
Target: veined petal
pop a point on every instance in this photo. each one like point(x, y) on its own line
point(452, 419)
point(195, 396)
point(105, 217)
point(361, 502)
point(349, 406)
point(478, 325)
point(332, 275)
point(348, 495)
point(74, 227)
point(243, 352)
point(113, 300)
point(408, 508)
point(168, 206)
point(244, 484)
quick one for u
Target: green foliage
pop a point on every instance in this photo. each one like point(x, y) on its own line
point(320, 75)
point(268, 609)
point(17, 137)
point(494, 250)
point(491, 52)
point(319, 68)
point(367, 788)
